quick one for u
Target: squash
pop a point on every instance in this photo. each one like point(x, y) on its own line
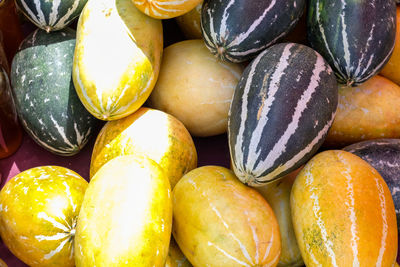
point(126, 216)
point(165, 9)
point(175, 256)
point(189, 23)
point(218, 221)
point(117, 58)
point(343, 213)
point(368, 111)
point(195, 87)
point(39, 208)
point(151, 132)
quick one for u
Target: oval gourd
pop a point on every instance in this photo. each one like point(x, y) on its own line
point(45, 98)
point(237, 30)
point(51, 15)
point(384, 156)
point(126, 216)
point(165, 9)
point(117, 58)
point(281, 111)
point(335, 200)
point(390, 70)
point(39, 208)
point(175, 256)
point(355, 37)
point(367, 111)
point(189, 23)
point(277, 195)
point(153, 133)
point(201, 94)
point(218, 221)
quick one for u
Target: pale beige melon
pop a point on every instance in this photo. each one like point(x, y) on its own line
point(195, 87)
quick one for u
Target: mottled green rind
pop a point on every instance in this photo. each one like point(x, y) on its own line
point(44, 94)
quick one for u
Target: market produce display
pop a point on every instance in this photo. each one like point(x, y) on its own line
point(132, 111)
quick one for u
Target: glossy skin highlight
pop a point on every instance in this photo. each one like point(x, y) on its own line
point(153, 133)
point(126, 216)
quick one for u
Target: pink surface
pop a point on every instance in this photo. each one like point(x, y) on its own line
point(211, 151)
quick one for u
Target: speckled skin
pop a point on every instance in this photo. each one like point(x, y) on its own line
point(38, 213)
point(117, 57)
point(45, 98)
point(175, 256)
point(218, 221)
point(126, 216)
point(384, 156)
point(367, 111)
point(343, 213)
point(151, 132)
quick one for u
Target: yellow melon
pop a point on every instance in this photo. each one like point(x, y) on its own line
point(165, 9)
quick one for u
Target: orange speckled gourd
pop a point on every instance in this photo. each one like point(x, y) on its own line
point(367, 111)
point(218, 221)
point(126, 216)
point(343, 213)
point(154, 133)
point(117, 58)
point(38, 213)
point(165, 9)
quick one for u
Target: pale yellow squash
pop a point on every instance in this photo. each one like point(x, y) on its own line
point(126, 216)
point(196, 87)
point(117, 57)
point(165, 9)
point(151, 132)
point(218, 221)
point(277, 195)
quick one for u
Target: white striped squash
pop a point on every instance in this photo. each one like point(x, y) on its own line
point(281, 111)
point(51, 15)
point(220, 222)
point(165, 9)
point(237, 30)
point(343, 213)
point(355, 37)
point(117, 58)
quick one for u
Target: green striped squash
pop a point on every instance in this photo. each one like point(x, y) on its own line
point(51, 15)
point(262, 23)
point(281, 111)
point(355, 37)
point(44, 95)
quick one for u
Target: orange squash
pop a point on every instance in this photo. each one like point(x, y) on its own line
point(165, 9)
point(367, 111)
point(158, 135)
point(218, 221)
point(391, 69)
point(343, 213)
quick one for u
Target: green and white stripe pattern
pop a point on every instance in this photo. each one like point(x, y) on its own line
point(45, 98)
point(355, 37)
point(238, 30)
point(51, 15)
point(281, 111)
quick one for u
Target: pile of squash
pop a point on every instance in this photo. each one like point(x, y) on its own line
point(308, 93)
